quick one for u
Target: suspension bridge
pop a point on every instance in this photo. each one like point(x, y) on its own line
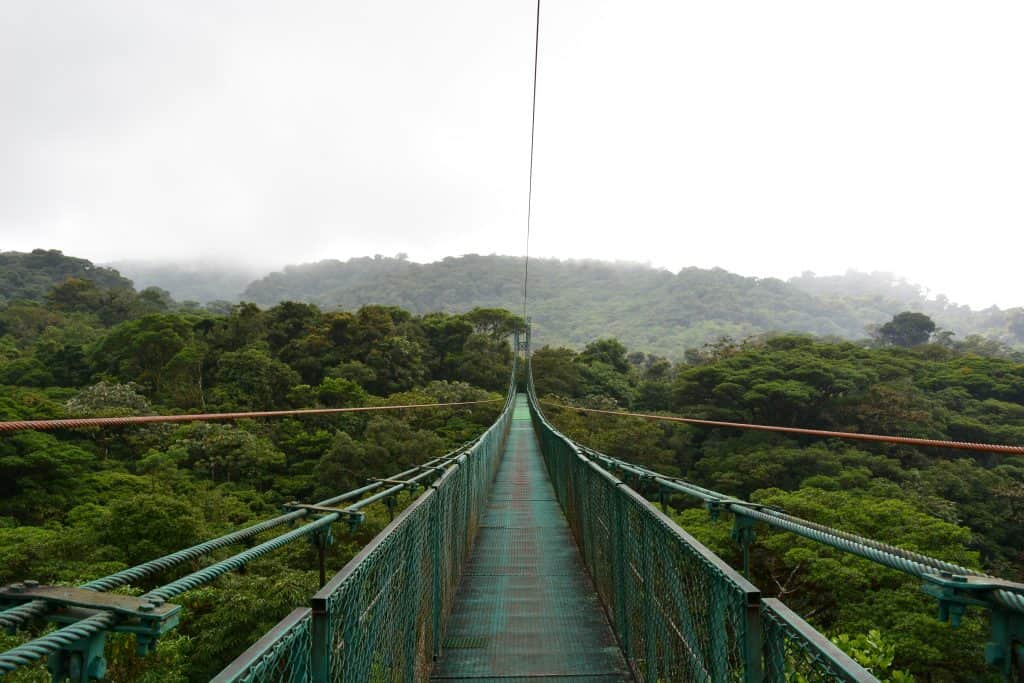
point(521, 555)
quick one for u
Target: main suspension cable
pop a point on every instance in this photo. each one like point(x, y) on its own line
point(857, 436)
point(533, 129)
point(77, 423)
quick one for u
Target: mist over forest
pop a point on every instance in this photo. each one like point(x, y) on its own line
point(81, 340)
point(573, 302)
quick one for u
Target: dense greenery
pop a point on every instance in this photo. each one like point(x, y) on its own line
point(77, 340)
point(955, 505)
point(32, 276)
point(77, 505)
point(574, 302)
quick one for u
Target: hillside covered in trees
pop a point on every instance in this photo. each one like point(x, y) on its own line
point(571, 302)
point(956, 505)
point(574, 302)
point(75, 505)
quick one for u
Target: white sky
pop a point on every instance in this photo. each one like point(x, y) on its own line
point(765, 137)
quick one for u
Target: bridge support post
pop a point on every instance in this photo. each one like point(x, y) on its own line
point(621, 600)
point(743, 533)
point(435, 523)
point(321, 646)
point(1005, 648)
point(753, 641)
point(80, 662)
point(321, 539)
point(650, 627)
point(718, 657)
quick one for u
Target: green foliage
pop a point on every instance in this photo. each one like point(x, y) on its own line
point(142, 349)
point(907, 329)
point(555, 371)
point(39, 474)
point(77, 505)
point(874, 653)
point(107, 399)
point(31, 276)
point(149, 525)
point(252, 379)
point(965, 508)
point(574, 302)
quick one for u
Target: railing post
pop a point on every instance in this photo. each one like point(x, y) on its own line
point(650, 627)
point(467, 497)
point(321, 646)
point(621, 616)
point(412, 657)
point(435, 523)
point(753, 641)
point(81, 661)
point(718, 658)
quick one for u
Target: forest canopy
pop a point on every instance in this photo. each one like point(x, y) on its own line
point(74, 505)
point(575, 302)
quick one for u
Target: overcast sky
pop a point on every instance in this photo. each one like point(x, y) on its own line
point(767, 138)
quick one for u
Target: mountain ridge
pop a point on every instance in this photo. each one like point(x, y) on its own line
point(571, 302)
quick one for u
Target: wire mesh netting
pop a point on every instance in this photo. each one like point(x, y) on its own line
point(374, 619)
point(795, 652)
point(679, 612)
point(283, 654)
point(381, 617)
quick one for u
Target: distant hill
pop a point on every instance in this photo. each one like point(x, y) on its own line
point(31, 275)
point(571, 302)
point(574, 302)
point(201, 283)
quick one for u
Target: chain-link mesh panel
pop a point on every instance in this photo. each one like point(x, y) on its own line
point(679, 612)
point(381, 618)
point(796, 653)
point(283, 654)
point(370, 624)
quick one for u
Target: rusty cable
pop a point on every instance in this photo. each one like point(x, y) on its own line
point(882, 438)
point(77, 423)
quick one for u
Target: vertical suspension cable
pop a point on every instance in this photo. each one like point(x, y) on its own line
point(533, 128)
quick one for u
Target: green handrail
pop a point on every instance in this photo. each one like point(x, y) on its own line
point(382, 616)
point(955, 587)
point(680, 612)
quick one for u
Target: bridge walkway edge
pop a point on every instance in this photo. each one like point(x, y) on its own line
point(526, 607)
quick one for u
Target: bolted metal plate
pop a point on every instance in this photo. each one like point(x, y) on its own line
point(69, 596)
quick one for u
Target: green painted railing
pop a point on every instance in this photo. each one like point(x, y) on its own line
point(680, 613)
point(956, 588)
point(381, 618)
point(283, 654)
point(795, 652)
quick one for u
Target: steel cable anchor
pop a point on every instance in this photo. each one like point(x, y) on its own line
point(83, 660)
point(957, 592)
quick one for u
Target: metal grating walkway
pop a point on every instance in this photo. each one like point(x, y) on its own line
point(526, 608)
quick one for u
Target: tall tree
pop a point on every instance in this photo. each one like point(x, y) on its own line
point(907, 329)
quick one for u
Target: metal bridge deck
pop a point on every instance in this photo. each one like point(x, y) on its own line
point(526, 608)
